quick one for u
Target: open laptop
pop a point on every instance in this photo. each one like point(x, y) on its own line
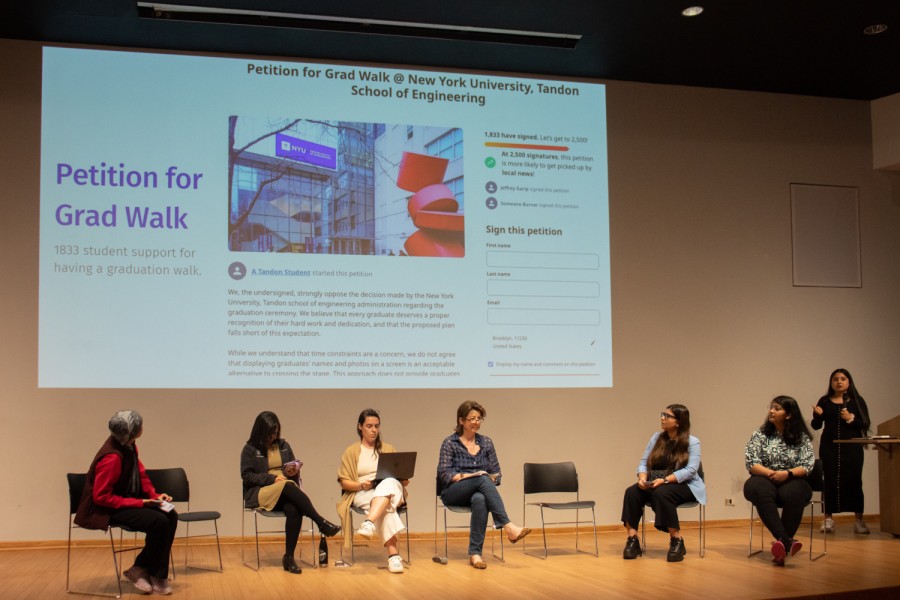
point(399, 465)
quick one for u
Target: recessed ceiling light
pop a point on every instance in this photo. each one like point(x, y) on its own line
point(692, 11)
point(875, 29)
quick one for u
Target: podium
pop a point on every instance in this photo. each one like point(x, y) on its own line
point(886, 441)
point(889, 476)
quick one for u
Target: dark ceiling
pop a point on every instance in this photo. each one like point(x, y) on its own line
point(809, 47)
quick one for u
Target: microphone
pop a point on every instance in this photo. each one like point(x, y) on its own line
point(439, 559)
point(846, 399)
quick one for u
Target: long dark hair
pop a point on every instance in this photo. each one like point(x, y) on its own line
point(852, 396)
point(366, 413)
point(265, 425)
point(676, 454)
point(794, 425)
point(464, 409)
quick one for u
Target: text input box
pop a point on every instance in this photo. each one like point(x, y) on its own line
point(542, 316)
point(551, 289)
point(542, 260)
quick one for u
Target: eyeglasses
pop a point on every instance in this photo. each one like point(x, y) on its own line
point(666, 416)
point(475, 419)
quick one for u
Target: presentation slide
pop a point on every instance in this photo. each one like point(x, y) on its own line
point(214, 222)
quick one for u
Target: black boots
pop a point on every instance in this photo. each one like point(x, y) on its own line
point(329, 529)
point(632, 548)
point(676, 550)
point(290, 565)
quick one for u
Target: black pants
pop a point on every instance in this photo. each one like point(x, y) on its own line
point(664, 500)
point(295, 504)
point(792, 496)
point(159, 528)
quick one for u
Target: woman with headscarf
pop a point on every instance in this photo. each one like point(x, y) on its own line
point(117, 492)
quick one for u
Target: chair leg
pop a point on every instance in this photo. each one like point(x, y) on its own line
point(544, 533)
point(702, 523)
point(406, 533)
point(812, 512)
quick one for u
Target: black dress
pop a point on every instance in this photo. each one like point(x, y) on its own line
point(842, 463)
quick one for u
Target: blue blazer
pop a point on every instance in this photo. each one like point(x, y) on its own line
point(687, 474)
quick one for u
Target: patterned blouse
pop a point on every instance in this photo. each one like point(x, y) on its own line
point(455, 458)
point(773, 453)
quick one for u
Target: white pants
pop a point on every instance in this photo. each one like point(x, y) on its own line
point(389, 524)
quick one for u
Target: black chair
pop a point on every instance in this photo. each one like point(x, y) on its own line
point(439, 505)
point(690, 504)
point(76, 482)
point(556, 478)
point(401, 510)
point(816, 480)
point(273, 514)
point(175, 483)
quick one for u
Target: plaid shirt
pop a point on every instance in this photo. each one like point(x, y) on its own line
point(455, 458)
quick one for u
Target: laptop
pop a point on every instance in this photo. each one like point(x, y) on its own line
point(399, 465)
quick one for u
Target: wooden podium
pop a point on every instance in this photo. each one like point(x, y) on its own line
point(889, 476)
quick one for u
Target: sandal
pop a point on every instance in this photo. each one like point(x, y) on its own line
point(477, 563)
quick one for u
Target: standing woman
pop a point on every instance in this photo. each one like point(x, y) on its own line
point(779, 457)
point(845, 415)
point(118, 492)
point(668, 475)
point(380, 500)
point(271, 477)
point(469, 473)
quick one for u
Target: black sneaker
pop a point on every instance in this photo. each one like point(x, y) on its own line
point(632, 548)
point(676, 550)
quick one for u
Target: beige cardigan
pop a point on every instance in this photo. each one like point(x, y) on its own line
point(349, 471)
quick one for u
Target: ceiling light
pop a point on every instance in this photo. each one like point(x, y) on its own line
point(260, 18)
point(875, 29)
point(692, 11)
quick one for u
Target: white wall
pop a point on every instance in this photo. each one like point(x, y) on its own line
point(703, 308)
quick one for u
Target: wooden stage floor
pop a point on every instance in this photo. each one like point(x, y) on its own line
point(856, 566)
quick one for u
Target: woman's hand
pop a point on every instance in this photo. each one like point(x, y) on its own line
point(280, 478)
point(817, 409)
point(778, 476)
point(164, 498)
point(365, 485)
point(847, 416)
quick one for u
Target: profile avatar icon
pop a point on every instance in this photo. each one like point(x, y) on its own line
point(237, 271)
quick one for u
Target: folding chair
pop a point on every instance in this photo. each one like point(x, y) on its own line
point(272, 514)
point(689, 504)
point(401, 510)
point(439, 505)
point(76, 483)
point(556, 478)
point(175, 483)
point(816, 481)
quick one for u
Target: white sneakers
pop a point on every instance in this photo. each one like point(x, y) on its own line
point(859, 526)
point(395, 564)
point(366, 530)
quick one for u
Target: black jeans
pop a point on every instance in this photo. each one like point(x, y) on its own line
point(159, 528)
point(792, 496)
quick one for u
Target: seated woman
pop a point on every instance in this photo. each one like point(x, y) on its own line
point(668, 475)
point(380, 500)
point(118, 492)
point(271, 477)
point(779, 456)
point(469, 474)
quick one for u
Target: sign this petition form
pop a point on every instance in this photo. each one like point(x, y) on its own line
point(219, 222)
